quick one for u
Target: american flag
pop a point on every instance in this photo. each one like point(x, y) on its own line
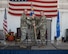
point(49, 7)
point(5, 23)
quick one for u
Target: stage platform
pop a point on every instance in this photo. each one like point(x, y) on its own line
point(49, 46)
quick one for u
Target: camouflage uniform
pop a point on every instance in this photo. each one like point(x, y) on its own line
point(30, 22)
point(23, 27)
point(40, 24)
point(42, 28)
point(27, 23)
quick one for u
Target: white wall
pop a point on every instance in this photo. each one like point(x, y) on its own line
point(14, 22)
point(64, 23)
point(53, 28)
point(1, 20)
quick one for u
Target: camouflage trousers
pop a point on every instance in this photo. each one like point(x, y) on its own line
point(23, 33)
point(31, 35)
point(42, 30)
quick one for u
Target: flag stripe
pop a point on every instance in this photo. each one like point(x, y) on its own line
point(48, 6)
point(36, 12)
point(48, 16)
point(35, 8)
point(29, 3)
point(33, 5)
point(30, 9)
point(5, 29)
point(5, 23)
point(44, 0)
point(41, 1)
